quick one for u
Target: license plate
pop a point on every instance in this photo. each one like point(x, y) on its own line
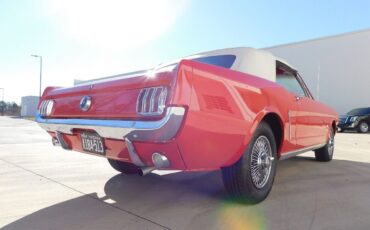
point(93, 143)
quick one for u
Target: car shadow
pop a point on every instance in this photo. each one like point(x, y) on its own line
point(306, 195)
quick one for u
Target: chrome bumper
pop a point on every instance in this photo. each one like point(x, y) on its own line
point(157, 131)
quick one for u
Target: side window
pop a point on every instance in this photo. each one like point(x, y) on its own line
point(290, 83)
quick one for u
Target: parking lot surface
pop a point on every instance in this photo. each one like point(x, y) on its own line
point(45, 187)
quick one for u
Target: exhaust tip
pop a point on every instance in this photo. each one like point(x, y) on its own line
point(55, 141)
point(145, 170)
point(160, 161)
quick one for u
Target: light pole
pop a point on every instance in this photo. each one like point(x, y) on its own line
point(2, 89)
point(2, 103)
point(40, 57)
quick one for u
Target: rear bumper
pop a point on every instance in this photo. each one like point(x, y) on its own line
point(154, 131)
point(120, 135)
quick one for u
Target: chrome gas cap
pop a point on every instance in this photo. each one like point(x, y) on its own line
point(85, 103)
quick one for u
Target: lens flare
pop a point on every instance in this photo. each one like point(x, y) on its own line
point(233, 215)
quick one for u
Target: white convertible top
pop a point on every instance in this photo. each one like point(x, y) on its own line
point(260, 63)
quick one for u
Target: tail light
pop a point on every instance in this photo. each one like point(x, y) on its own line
point(151, 101)
point(46, 108)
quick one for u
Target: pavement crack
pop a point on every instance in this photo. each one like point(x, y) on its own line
point(82, 193)
point(314, 212)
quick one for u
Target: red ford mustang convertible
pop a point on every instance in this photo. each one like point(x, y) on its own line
point(239, 110)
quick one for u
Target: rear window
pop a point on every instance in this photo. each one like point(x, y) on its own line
point(225, 61)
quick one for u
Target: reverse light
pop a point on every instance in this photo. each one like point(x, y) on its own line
point(151, 101)
point(46, 108)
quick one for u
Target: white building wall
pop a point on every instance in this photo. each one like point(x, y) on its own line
point(336, 69)
point(29, 106)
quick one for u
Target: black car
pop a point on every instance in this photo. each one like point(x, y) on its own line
point(357, 119)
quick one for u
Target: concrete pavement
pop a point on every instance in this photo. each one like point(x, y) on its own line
point(43, 187)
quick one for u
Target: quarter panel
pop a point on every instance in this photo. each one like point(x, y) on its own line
point(220, 118)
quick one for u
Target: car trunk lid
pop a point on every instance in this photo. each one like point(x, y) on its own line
point(111, 98)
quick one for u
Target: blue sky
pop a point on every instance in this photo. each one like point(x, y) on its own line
point(90, 39)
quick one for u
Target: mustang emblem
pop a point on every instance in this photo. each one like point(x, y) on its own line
point(85, 103)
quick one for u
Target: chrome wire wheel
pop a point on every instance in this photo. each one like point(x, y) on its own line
point(261, 162)
point(250, 179)
point(325, 153)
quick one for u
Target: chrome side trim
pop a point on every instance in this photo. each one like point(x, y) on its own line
point(157, 131)
point(300, 151)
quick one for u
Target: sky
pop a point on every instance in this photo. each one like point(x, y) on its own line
point(86, 39)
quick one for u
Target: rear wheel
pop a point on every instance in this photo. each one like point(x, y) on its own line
point(250, 179)
point(123, 167)
point(325, 153)
point(363, 127)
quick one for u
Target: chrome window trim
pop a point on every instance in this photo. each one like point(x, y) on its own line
point(305, 88)
point(157, 131)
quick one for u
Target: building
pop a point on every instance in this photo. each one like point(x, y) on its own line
point(29, 106)
point(335, 68)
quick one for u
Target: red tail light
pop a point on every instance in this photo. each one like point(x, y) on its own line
point(46, 108)
point(151, 101)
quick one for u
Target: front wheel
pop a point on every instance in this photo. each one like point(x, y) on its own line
point(250, 179)
point(325, 153)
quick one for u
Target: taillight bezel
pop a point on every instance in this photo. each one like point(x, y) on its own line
point(151, 101)
point(46, 108)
